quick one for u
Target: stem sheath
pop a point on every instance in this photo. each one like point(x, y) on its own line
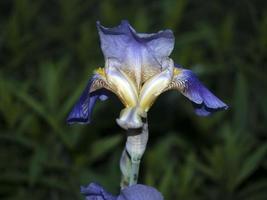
point(132, 154)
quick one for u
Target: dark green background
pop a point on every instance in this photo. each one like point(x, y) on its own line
point(48, 50)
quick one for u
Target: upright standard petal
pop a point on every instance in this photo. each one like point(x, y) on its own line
point(140, 54)
point(203, 100)
point(114, 41)
point(82, 110)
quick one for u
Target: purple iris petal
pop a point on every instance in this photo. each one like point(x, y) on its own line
point(82, 110)
point(96, 192)
point(203, 100)
point(135, 50)
point(177, 65)
point(136, 192)
point(140, 192)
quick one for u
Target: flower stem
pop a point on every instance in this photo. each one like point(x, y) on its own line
point(125, 166)
point(132, 154)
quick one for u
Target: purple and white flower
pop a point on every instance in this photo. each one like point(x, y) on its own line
point(137, 70)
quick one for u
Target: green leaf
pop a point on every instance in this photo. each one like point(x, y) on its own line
point(241, 103)
point(40, 110)
point(252, 162)
point(103, 146)
point(167, 180)
point(258, 187)
point(36, 165)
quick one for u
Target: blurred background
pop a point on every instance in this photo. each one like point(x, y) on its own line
point(48, 51)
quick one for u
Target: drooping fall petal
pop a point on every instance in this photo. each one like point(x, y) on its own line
point(203, 100)
point(82, 110)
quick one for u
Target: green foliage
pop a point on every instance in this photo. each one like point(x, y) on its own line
point(48, 50)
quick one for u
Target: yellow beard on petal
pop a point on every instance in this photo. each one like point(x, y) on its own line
point(100, 71)
point(176, 71)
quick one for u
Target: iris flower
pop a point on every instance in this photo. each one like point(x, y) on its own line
point(136, 192)
point(137, 70)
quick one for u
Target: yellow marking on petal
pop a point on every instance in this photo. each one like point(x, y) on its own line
point(175, 84)
point(177, 71)
point(100, 71)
